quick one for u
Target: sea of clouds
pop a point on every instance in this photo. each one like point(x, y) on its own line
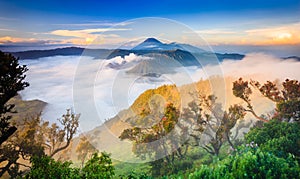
point(61, 80)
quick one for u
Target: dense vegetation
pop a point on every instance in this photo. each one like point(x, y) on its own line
point(204, 140)
point(269, 150)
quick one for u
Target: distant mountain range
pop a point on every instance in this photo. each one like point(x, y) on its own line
point(67, 51)
point(184, 54)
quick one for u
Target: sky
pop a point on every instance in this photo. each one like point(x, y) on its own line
point(236, 25)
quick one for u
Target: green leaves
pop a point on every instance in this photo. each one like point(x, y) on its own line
point(47, 168)
point(97, 167)
point(287, 100)
point(280, 138)
point(250, 163)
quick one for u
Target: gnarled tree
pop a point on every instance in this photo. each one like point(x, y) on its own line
point(59, 138)
point(35, 139)
point(160, 142)
point(287, 98)
point(210, 125)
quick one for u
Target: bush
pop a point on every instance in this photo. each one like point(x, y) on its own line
point(46, 167)
point(280, 138)
point(98, 167)
point(250, 162)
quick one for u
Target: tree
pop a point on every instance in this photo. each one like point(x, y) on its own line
point(287, 100)
point(211, 125)
point(47, 167)
point(280, 138)
point(20, 147)
point(249, 162)
point(58, 138)
point(84, 149)
point(35, 139)
point(11, 81)
point(98, 167)
point(162, 142)
point(242, 90)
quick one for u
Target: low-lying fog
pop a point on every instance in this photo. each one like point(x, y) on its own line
point(112, 89)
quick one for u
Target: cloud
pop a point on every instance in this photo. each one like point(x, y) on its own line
point(288, 34)
point(95, 23)
point(8, 40)
point(9, 30)
point(131, 58)
point(52, 80)
point(84, 32)
point(88, 36)
point(258, 66)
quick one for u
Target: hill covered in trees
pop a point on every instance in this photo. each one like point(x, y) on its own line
point(249, 129)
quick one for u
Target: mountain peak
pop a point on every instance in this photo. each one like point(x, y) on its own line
point(152, 40)
point(149, 44)
point(153, 44)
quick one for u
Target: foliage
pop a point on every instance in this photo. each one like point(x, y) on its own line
point(33, 135)
point(242, 90)
point(161, 142)
point(169, 92)
point(160, 167)
point(60, 138)
point(11, 81)
point(98, 167)
point(164, 135)
point(131, 170)
point(208, 120)
point(134, 175)
point(22, 145)
point(35, 138)
point(278, 137)
point(46, 167)
point(249, 162)
point(287, 99)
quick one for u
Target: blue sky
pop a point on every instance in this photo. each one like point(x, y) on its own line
point(254, 23)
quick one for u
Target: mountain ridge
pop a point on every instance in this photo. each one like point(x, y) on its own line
point(154, 44)
point(186, 54)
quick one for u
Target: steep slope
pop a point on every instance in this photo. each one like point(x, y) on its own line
point(26, 109)
point(157, 64)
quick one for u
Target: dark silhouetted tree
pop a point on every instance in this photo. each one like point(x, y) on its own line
point(11, 81)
